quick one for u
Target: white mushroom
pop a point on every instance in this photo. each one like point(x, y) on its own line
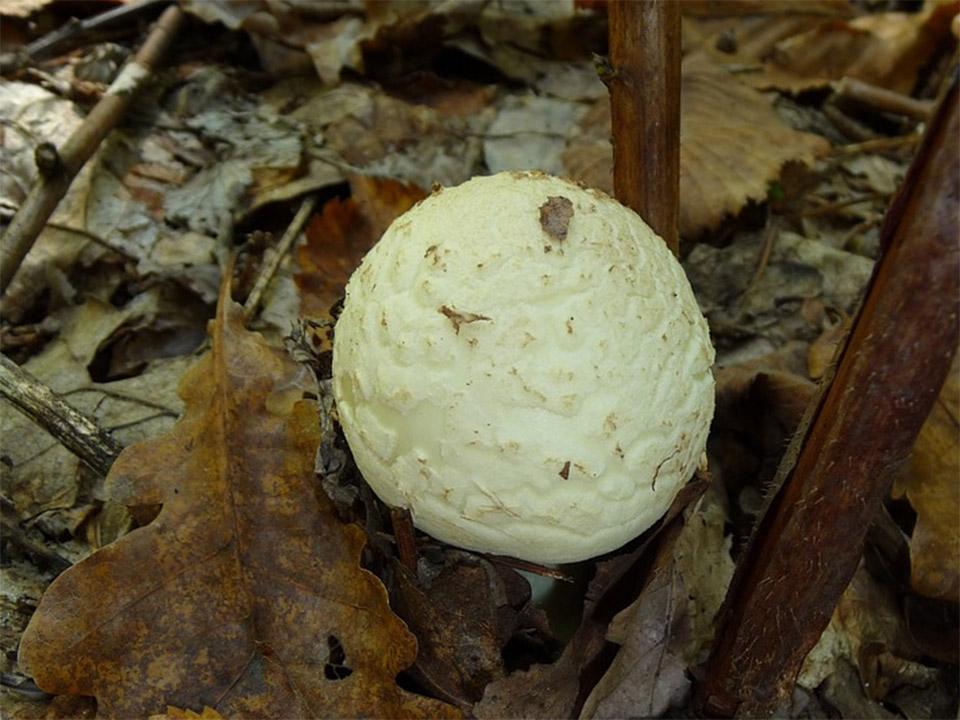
point(521, 362)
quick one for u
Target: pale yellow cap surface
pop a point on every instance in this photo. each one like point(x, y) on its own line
point(523, 392)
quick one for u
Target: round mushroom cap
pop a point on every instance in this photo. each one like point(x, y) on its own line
point(521, 362)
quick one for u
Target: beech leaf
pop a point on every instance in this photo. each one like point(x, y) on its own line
point(245, 593)
point(732, 146)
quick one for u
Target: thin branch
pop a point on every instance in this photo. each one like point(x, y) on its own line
point(878, 145)
point(77, 432)
point(78, 32)
point(12, 532)
point(644, 82)
point(273, 260)
point(882, 99)
point(854, 440)
point(55, 180)
point(405, 538)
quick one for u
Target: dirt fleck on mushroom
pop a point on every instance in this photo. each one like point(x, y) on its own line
point(565, 471)
point(459, 318)
point(555, 215)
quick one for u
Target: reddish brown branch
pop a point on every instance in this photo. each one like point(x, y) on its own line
point(856, 438)
point(60, 170)
point(644, 87)
point(405, 538)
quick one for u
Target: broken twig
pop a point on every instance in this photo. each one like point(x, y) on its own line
point(879, 98)
point(77, 432)
point(50, 188)
point(644, 82)
point(852, 443)
point(276, 255)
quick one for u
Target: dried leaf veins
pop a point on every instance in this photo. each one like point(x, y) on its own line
point(245, 594)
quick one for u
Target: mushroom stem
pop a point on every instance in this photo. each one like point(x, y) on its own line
point(644, 84)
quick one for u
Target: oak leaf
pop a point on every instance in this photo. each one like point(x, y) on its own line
point(245, 593)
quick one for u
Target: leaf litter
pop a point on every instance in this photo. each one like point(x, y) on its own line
point(370, 105)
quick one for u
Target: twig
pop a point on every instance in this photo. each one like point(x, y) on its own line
point(878, 145)
point(78, 433)
point(851, 444)
point(644, 82)
point(405, 538)
point(832, 207)
point(38, 551)
point(273, 260)
point(51, 186)
point(849, 127)
point(882, 99)
point(75, 33)
point(765, 252)
point(530, 567)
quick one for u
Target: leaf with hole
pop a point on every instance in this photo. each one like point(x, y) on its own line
point(245, 593)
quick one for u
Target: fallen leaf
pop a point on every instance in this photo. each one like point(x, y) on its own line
point(530, 133)
point(378, 134)
point(885, 49)
point(744, 306)
point(174, 713)
point(806, 51)
point(552, 691)
point(30, 115)
point(867, 630)
point(339, 237)
point(245, 593)
point(732, 146)
point(670, 626)
point(823, 350)
point(463, 614)
point(931, 486)
point(648, 674)
point(43, 479)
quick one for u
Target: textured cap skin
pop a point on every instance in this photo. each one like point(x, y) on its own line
point(521, 362)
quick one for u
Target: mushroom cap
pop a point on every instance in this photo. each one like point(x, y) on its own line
point(521, 362)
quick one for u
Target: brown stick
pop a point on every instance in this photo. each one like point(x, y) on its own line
point(882, 99)
point(644, 87)
point(54, 182)
point(403, 534)
point(276, 255)
point(855, 439)
point(75, 431)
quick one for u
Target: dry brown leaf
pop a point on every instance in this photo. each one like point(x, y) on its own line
point(341, 235)
point(732, 146)
point(933, 488)
point(553, 691)
point(174, 713)
point(823, 350)
point(463, 612)
point(886, 49)
point(245, 593)
point(648, 674)
point(711, 8)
